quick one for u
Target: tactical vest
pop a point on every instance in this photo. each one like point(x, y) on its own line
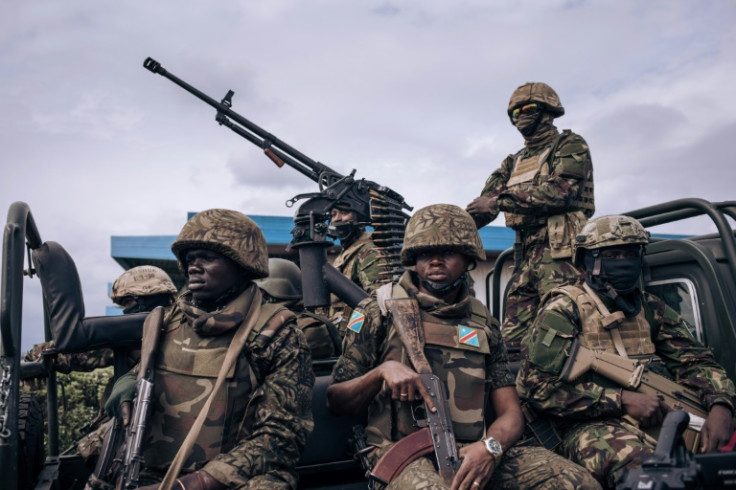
point(456, 350)
point(634, 337)
point(561, 228)
point(343, 262)
point(187, 366)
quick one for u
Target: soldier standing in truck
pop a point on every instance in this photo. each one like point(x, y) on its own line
point(546, 193)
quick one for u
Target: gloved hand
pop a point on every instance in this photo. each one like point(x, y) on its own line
point(123, 392)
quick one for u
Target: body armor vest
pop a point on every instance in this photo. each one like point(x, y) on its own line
point(561, 228)
point(187, 366)
point(598, 325)
point(456, 350)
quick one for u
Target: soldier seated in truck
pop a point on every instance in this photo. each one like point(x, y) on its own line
point(427, 325)
point(231, 374)
point(607, 361)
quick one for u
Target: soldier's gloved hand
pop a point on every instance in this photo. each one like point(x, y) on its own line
point(122, 393)
point(482, 209)
point(649, 410)
point(199, 480)
point(716, 430)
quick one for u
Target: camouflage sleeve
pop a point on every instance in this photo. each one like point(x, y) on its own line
point(371, 268)
point(548, 346)
point(361, 347)
point(496, 183)
point(279, 413)
point(498, 374)
point(570, 168)
point(66, 363)
point(692, 363)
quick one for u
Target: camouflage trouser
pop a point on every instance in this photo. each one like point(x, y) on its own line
point(522, 467)
point(607, 447)
point(537, 275)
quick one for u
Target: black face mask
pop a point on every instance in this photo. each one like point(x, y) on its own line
point(144, 304)
point(440, 289)
point(622, 274)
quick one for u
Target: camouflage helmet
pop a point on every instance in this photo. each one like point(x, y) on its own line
point(538, 92)
point(284, 279)
point(609, 231)
point(441, 226)
point(144, 280)
point(226, 232)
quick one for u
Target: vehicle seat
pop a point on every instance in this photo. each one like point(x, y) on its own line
point(62, 291)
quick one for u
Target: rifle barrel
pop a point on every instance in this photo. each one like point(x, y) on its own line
point(249, 130)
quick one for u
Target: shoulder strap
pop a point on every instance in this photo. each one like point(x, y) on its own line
point(407, 320)
point(236, 346)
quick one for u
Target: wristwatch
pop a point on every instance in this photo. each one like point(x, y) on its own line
point(494, 447)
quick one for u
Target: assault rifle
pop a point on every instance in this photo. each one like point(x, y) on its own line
point(634, 374)
point(384, 206)
point(136, 432)
point(436, 435)
point(673, 467)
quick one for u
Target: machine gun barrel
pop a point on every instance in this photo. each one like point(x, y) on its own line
point(272, 146)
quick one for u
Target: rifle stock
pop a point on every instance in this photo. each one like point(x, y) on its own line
point(633, 374)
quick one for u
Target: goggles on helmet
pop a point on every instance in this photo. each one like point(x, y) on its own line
point(524, 109)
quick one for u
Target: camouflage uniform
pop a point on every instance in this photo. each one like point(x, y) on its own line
point(546, 193)
point(464, 348)
point(376, 341)
point(283, 286)
point(254, 435)
point(260, 419)
point(362, 262)
point(588, 411)
point(83, 395)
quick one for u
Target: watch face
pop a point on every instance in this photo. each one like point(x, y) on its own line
point(493, 446)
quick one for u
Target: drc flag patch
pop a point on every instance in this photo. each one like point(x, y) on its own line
point(356, 321)
point(468, 336)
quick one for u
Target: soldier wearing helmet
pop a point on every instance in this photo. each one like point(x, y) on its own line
point(137, 290)
point(546, 193)
point(610, 312)
point(284, 286)
point(360, 259)
point(142, 288)
point(259, 419)
point(462, 346)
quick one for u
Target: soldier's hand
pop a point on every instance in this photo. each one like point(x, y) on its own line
point(716, 430)
point(123, 391)
point(404, 383)
point(482, 205)
point(476, 469)
point(649, 410)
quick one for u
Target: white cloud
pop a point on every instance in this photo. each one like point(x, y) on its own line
point(410, 94)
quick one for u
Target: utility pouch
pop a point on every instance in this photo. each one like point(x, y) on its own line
point(550, 350)
point(541, 429)
point(561, 230)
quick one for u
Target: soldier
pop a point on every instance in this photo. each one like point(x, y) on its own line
point(546, 193)
point(463, 347)
point(261, 417)
point(284, 286)
point(609, 312)
point(361, 260)
point(137, 290)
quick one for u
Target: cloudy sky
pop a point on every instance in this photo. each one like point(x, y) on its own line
point(412, 94)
